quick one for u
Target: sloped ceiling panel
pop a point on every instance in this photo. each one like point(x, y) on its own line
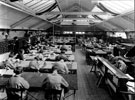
point(66, 4)
point(29, 22)
point(104, 28)
point(132, 15)
point(9, 16)
point(88, 4)
point(123, 23)
point(40, 25)
point(107, 25)
point(46, 26)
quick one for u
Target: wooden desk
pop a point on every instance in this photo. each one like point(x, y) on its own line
point(100, 52)
point(29, 57)
point(36, 79)
point(68, 52)
point(111, 75)
point(128, 44)
point(72, 66)
point(112, 68)
point(96, 52)
point(124, 59)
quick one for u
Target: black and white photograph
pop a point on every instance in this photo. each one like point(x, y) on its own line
point(67, 49)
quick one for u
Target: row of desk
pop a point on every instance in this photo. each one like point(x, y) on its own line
point(47, 55)
point(35, 78)
point(110, 76)
point(72, 66)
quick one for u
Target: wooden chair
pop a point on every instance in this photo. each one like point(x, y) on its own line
point(27, 69)
point(16, 94)
point(3, 95)
point(128, 95)
point(93, 63)
point(52, 94)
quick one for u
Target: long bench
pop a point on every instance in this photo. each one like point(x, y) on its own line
point(112, 76)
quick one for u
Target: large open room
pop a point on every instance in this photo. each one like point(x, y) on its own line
point(67, 50)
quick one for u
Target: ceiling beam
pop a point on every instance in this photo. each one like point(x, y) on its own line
point(58, 5)
point(77, 19)
point(21, 21)
point(77, 13)
point(36, 24)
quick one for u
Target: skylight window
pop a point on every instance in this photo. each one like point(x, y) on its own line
point(67, 20)
point(118, 6)
point(97, 21)
point(104, 17)
point(79, 32)
point(81, 20)
point(67, 32)
point(96, 9)
point(120, 34)
point(90, 16)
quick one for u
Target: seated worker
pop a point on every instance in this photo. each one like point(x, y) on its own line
point(34, 64)
point(40, 57)
point(16, 45)
point(38, 45)
point(116, 51)
point(41, 49)
point(20, 55)
point(61, 67)
point(42, 66)
point(62, 56)
point(63, 48)
point(56, 83)
point(112, 59)
point(51, 57)
point(121, 65)
point(17, 82)
point(11, 62)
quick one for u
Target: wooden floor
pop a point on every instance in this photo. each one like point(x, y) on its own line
point(87, 89)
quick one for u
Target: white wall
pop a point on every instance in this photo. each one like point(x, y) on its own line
point(12, 34)
point(4, 56)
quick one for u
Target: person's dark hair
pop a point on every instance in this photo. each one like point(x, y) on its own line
point(54, 68)
point(21, 50)
point(61, 58)
point(18, 70)
point(62, 52)
point(11, 54)
point(15, 38)
point(36, 58)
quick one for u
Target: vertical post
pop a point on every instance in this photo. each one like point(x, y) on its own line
point(75, 37)
point(53, 33)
